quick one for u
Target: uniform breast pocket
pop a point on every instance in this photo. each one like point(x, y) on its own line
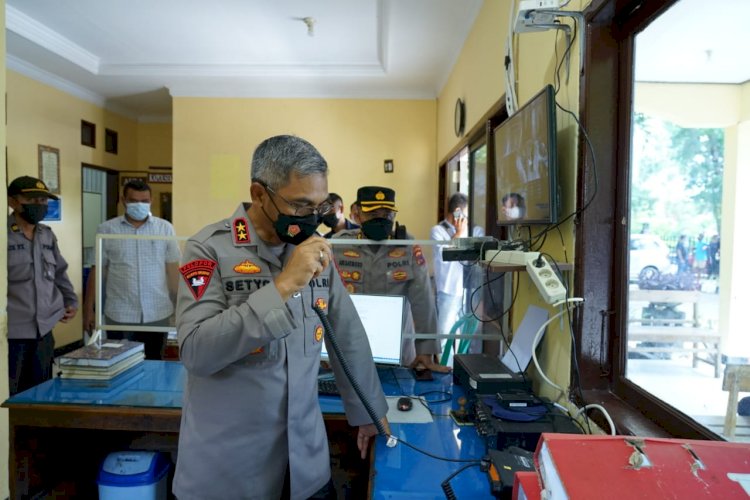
point(50, 267)
point(353, 278)
point(20, 267)
point(268, 352)
point(400, 275)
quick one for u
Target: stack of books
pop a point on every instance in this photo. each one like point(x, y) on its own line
point(570, 466)
point(101, 363)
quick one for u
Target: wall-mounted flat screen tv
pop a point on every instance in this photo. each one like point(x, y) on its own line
point(526, 163)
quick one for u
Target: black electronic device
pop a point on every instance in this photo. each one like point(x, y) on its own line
point(485, 374)
point(526, 163)
point(470, 249)
point(499, 433)
point(328, 387)
point(404, 404)
point(503, 466)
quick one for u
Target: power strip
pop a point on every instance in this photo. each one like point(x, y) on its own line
point(546, 280)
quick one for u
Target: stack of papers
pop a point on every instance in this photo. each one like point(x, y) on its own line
point(92, 362)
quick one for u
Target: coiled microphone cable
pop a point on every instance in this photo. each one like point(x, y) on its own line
point(392, 440)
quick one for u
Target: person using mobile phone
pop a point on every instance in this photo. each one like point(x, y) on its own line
point(449, 275)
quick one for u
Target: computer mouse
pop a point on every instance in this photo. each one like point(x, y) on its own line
point(403, 404)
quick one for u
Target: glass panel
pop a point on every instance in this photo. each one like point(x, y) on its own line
point(478, 201)
point(687, 136)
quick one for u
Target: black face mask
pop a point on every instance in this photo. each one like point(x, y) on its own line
point(377, 229)
point(331, 220)
point(33, 213)
point(295, 229)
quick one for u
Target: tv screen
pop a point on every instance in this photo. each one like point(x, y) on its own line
point(526, 163)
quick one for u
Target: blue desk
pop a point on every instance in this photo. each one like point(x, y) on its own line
point(148, 399)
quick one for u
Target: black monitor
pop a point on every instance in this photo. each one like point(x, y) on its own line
point(526, 163)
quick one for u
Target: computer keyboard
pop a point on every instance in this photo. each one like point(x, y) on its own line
point(328, 387)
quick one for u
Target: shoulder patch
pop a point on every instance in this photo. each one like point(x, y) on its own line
point(418, 255)
point(197, 275)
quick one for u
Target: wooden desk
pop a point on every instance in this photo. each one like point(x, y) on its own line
point(142, 409)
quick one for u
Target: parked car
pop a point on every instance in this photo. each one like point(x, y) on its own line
point(649, 257)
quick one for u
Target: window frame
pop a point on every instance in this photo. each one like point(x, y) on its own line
point(601, 274)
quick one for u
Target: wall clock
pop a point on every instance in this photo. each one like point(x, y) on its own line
point(459, 118)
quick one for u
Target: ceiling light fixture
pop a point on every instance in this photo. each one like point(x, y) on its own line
point(310, 23)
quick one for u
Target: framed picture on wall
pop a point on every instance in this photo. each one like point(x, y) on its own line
point(49, 167)
point(127, 176)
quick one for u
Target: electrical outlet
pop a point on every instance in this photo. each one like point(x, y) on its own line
point(546, 280)
point(532, 16)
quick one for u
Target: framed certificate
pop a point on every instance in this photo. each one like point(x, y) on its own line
point(49, 167)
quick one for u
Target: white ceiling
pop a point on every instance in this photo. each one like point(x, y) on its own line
point(131, 55)
point(699, 41)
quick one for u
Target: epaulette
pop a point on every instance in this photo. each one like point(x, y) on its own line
point(210, 230)
point(347, 233)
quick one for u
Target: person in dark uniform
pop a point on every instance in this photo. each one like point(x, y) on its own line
point(390, 270)
point(251, 340)
point(336, 220)
point(39, 291)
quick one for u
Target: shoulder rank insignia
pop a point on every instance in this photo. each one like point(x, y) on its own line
point(197, 274)
point(418, 255)
point(240, 232)
point(246, 267)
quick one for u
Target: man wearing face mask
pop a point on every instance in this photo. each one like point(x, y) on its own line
point(390, 270)
point(336, 220)
point(251, 340)
point(140, 277)
point(449, 275)
point(39, 291)
point(514, 206)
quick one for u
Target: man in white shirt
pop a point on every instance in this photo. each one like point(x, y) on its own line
point(449, 275)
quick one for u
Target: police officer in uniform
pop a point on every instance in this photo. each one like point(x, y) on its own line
point(390, 270)
point(39, 291)
point(251, 341)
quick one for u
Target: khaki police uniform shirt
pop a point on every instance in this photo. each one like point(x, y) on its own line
point(251, 401)
point(38, 286)
point(391, 270)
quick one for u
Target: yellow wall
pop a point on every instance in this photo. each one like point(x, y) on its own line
point(155, 150)
point(711, 105)
point(478, 75)
point(214, 140)
point(478, 78)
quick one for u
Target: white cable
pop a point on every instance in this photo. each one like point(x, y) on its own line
point(595, 406)
point(572, 300)
point(511, 99)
